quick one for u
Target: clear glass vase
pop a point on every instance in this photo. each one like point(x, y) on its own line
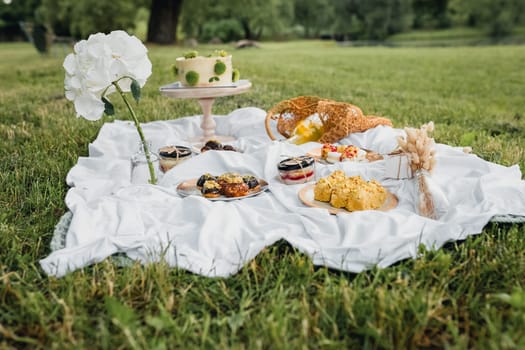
point(432, 201)
point(425, 204)
point(140, 173)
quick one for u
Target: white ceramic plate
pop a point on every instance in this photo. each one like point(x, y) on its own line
point(369, 157)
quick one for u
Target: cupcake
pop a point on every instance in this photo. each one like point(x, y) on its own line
point(232, 185)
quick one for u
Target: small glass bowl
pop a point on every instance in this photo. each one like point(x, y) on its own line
point(173, 155)
point(296, 170)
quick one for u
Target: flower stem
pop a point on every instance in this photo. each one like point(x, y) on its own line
point(153, 179)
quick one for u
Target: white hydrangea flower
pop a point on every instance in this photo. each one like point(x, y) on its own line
point(98, 62)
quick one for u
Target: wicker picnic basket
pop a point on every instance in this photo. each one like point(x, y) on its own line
point(339, 119)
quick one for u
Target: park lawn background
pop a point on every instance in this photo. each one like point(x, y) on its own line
point(469, 294)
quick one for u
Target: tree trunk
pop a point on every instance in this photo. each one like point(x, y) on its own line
point(163, 19)
point(258, 36)
point(247, 30)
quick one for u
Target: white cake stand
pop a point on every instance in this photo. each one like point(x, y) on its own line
point(206, 96)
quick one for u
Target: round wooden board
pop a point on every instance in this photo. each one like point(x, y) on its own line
point(306, 195)
point(176, 90)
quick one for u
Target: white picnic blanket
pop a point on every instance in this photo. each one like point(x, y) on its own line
point(150, 223)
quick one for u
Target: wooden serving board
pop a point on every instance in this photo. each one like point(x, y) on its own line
point(306, 195)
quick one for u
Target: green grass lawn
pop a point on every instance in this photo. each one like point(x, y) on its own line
point(470, 294)
point(457, 36)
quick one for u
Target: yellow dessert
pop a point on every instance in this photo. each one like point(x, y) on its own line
point(323, 190)
point(352, 193)
point(339, 195)
point(336, 177)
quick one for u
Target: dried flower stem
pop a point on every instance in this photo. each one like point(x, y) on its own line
point(420, 148)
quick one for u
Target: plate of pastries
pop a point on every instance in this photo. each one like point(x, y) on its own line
point(214, 145)
point(223, 187)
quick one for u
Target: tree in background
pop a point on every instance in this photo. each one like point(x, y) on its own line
point(193, 17)
point(236, 19)
point(402, 16)
point(56, 15)
point(163, 21)
point(348, 23)
point(280, 19)
point(209, 19)
point(371, 19)
point(460, 13)
point(91, 16)
point(377, 15)
point(497, 17)
point(430, 14)
point(259, 16)
point(14, 13)
point(315, 16)
point(259, 19)
point(79, 18)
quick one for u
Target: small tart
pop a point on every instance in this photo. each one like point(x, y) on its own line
point(230, 178)
point(205, 177)
point(327, 148)
point(350, 152)
point(211, 189)
point(237, 189)
point(252, 182)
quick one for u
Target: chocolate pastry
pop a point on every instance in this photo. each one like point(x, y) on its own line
point(203, 178)
point(214, 145)
point(251, 181)
point(211, 189)
point(235, 189)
